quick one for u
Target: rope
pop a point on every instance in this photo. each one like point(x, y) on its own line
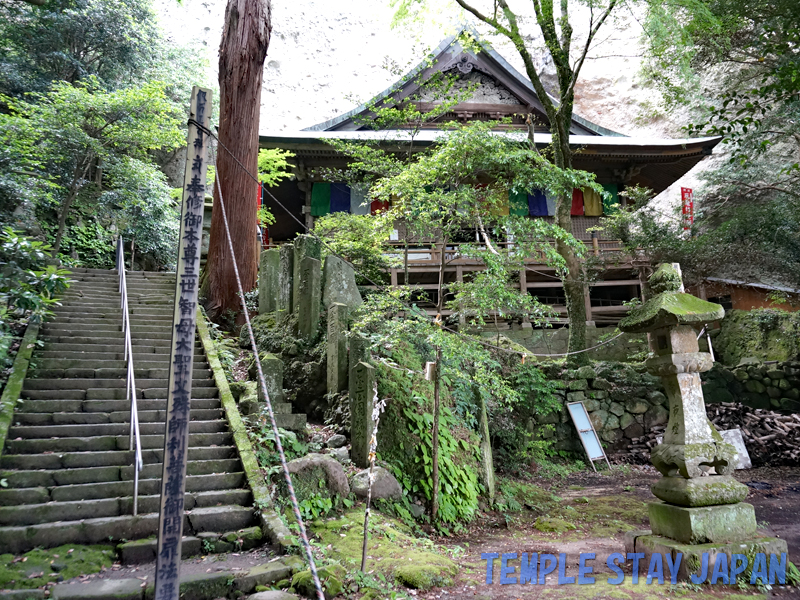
point(295, 506)
point(378, 286)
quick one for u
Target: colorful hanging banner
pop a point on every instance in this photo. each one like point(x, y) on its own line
point(611, 205)
point(320, 199)
point(359, 199)
point(577, 203)
point(551, 204)
point(687, 203)
point(518, 202)
point(340, 198)
point(592, 203)
point(537, 203)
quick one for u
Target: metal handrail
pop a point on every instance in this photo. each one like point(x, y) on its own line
point(130, 388)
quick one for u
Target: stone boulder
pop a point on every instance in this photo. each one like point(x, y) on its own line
point(385, 485)
point(309, 470)
point(339, 283)
point(336, 441)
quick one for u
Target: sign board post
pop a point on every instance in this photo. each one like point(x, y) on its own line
point(586, 433)
point(687, 207)
point(179, 392)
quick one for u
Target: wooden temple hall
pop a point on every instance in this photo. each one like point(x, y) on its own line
point(500, 91)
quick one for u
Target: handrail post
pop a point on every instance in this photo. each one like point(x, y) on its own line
point(134, 436)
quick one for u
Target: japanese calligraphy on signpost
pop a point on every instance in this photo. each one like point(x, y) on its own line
point(176, 439)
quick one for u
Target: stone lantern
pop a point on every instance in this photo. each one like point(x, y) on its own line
point(701, 508)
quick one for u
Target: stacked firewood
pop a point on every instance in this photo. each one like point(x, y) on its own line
point(639, 450)
point(771, 438)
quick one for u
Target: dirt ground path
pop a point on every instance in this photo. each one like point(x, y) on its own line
point(774, 492)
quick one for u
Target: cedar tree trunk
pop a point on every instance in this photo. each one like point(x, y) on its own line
point(245, 39)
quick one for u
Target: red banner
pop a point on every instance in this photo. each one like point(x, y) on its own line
point(687, 203)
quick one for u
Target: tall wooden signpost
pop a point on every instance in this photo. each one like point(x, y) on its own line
point(176, 438)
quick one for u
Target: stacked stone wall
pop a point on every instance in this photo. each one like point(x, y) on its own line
point(769, 385)
point(622, 401)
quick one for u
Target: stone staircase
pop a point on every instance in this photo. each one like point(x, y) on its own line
point(66, 461)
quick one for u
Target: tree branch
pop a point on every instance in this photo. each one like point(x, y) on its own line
point(592, 32)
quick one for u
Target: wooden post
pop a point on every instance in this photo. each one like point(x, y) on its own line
point(595, 245)
point(523, 288)
point(179, 390)
point(587, 301)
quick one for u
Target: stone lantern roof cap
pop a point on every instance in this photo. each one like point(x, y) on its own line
point(670, 309)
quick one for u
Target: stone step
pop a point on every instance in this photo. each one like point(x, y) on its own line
point(112, 286)
point(112, 347)
point(84, 418)
point(47, 478)
point(120, 458)
point(152, 486)
point(91, 336)
point(140, 354)
point(146, 363)
point(85, 384)
point(109, 442)
point(44, 432)
point(77, 311)
point(111, 320)
point(159, 372)
point(144, 551)
point(79, 328)
point(113, 393)
point(16, 540)
point(135, 310)
point(95, 406)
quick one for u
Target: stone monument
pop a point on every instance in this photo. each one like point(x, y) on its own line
point(339, 283)
point(305, 246)
point(268, 272)
point(337, 348)
point(308, 301)
point(362, 394)
point(698, 513)
point(285, 280)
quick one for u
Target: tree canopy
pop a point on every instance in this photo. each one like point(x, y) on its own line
point(92, 100)
point(735, 64)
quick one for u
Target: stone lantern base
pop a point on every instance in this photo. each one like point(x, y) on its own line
point(692, 554)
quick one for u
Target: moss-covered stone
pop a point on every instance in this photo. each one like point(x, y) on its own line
point(37, 568)
point(391, 546)
point(765, 334)
point(424, 577)
point(670, 309)
point(666, 278)
point(553, 525)
point(330, 577)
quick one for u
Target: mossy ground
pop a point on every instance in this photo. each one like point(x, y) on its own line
point(640, 591)
point(39, 567)
point(574, 517)
point(393, 550)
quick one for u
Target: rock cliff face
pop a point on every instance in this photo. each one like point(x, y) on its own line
point(327, 57)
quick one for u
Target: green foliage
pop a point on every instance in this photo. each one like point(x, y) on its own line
point(315, 506)
point(29, 287)
point(79, 146)
point(746, 55)
point(92, 99)
point(360, 240)
point(460, 488)
point(70, 40)
point(273, 165)
point(262, 437)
